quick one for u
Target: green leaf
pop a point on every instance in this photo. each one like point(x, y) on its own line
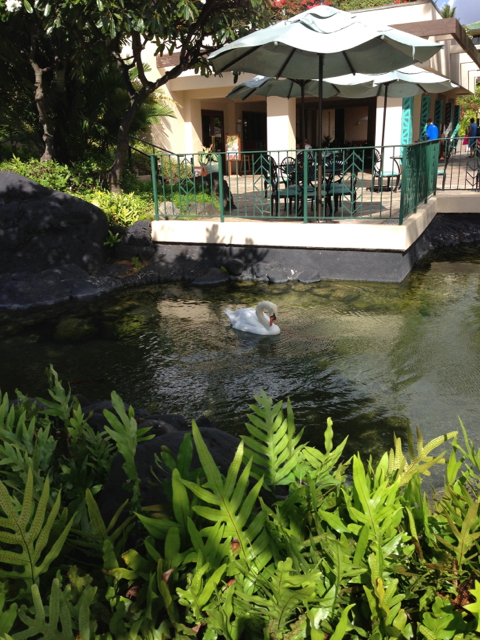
point(475, 607)
point(342, 626)
point(30, 531)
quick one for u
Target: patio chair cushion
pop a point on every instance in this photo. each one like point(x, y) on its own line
point(388, 174)
point(337, 189)
point(293, 192)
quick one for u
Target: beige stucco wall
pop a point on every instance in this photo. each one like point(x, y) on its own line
point(356, 123)
point(281, 116)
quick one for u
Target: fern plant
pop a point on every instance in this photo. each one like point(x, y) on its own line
point(56, 621)
point(29, 527)
point(272, 443)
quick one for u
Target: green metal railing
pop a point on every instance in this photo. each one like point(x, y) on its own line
point(459, 166)
point(384, 183)
point(419, 175)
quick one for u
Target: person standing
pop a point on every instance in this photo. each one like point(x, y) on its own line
point(472, 134)
point(431, 132)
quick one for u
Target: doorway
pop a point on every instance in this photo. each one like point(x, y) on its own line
point(213, 132)
point(254, 130)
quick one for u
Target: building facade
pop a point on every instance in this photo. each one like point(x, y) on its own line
point(205, 117)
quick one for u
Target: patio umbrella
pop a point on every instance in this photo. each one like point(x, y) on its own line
point(322, 42)
point(402, 83)
point(287, 88)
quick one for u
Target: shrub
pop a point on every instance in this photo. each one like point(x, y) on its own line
point(49, 174)
point(123, 209)
point(294, 543)
point(84, 179)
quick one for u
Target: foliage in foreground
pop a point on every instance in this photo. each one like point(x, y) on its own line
point(293, 543)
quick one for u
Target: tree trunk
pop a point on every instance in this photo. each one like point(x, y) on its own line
point(114, 174)
point(44, 119)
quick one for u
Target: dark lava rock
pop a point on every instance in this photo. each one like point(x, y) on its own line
point(41, 228)
point(174, 419)
point(114, 270)
point(213, 277)
point(51, 286)
point(234, 266)
point(278, 276)
point(203, 421)
point(221, 445)
point(451, 229)
point(136, 242)
point(308, 276)
point(158, 428)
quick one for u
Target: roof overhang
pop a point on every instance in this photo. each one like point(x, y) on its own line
point(444, 29)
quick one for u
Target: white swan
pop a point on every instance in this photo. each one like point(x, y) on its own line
point(254, 320)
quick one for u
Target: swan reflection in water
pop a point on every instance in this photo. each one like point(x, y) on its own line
point(255, 320)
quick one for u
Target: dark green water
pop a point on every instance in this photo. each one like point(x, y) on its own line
point(374, 357)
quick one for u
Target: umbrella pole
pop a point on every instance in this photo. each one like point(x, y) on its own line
point(383, 128)
point(319, 135)
point(302, 87)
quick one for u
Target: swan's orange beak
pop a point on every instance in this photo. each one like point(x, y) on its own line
point(272, 319)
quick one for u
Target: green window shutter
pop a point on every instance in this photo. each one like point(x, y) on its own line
point(407, 121)
point(448, 113)
point(439, 114)
point(424, 115)
point(456, 115)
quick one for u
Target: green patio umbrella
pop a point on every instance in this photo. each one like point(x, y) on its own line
point(402, 83)
point(320, 43)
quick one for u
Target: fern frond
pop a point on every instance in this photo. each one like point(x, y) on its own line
point(421, 463)
point(25, 526)
point(231, 504)
point(58, 626)
point(272, 443)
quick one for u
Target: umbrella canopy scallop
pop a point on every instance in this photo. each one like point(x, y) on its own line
point(290, 48)
point(402, 83)
point(286, 88)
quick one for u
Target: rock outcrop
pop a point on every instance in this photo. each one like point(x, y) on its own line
point(42, 229)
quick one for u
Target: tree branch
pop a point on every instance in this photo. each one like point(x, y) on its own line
point(137, 48)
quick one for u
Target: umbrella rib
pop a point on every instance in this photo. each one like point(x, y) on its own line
point(249, 94)
point(348, 62)
point(285, 63)
point(244, 55)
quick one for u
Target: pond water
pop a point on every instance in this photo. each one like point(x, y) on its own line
point(375, 357)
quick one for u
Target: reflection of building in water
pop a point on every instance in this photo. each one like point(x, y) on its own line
point(187, 310)
point(204, 116)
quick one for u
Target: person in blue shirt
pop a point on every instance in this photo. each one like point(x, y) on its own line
point(431, 132)
point(472, 136)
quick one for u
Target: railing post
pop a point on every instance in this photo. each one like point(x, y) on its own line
point(220, 187)
point(428, 166)
point(405, 182)
point(154, 169)
point(417, 180)
point(305, 187)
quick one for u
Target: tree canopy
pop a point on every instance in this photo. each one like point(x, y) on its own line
point(64, 39)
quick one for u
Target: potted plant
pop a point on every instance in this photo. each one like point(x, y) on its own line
point(208, 160)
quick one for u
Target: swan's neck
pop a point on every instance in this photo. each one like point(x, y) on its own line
point(262, 318)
